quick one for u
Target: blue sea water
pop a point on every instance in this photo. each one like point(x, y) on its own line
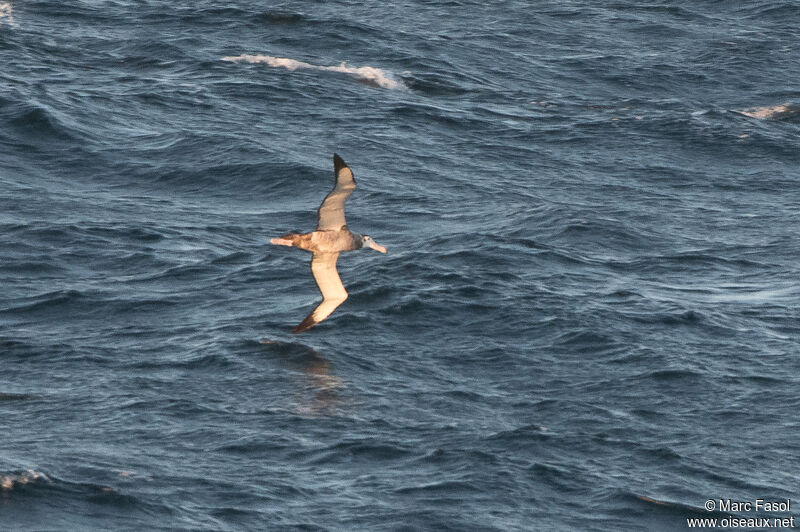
point(587, 319)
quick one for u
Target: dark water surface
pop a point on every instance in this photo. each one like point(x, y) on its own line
point(587, 320)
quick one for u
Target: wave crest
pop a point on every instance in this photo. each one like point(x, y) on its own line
point(7, 14)
point(9, 480)
point(371, 75)
point(777, 112)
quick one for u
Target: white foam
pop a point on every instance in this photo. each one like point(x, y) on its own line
point(9, 480)
point(367, 73)
point(7, 14)
point(769, 111)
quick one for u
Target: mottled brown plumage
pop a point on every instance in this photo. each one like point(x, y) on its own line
point(331, 238)
point(326, 241)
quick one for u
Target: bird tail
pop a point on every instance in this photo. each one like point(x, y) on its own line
point(294, 240)
point(289, 239)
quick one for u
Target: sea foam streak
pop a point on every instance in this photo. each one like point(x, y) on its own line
point(772, 111)
point(373, 75)
point(7, 13)
point(9, 480)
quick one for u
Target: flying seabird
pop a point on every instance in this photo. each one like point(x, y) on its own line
point(330, 238)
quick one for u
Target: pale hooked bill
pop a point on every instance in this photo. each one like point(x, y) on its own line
point(330, 238)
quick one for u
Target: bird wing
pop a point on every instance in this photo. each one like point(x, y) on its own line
point(323, 266)
point(330, 215)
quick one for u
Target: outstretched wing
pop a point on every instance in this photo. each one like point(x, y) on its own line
point(330, 215)
point(323, 266)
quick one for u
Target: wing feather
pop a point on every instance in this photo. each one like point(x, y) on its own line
point(323, 266)
point(330, 215)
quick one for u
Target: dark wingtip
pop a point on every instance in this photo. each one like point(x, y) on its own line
point(338, 163)
point(305, 325)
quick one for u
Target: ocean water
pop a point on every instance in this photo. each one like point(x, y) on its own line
point(587, 319)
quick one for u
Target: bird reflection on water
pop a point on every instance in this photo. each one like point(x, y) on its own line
point(317, 391)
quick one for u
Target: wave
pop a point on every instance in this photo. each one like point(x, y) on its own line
point(9, 480)
point(15, 396)
point(7, 14)
point(367, 74)
point(37, 124)
point(774, 112)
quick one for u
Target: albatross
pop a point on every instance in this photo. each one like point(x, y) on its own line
point(325, 243)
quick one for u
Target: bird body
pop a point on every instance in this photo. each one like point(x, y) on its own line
point(331, 238)
point(327, 241)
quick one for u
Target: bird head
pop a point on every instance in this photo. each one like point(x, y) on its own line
point(368, 242)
